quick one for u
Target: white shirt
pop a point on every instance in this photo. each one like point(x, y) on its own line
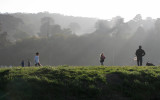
point(36, 58)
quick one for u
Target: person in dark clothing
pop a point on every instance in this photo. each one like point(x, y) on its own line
point(102, 57)
point(29, 63)
point(140, 53)
point(22, 63)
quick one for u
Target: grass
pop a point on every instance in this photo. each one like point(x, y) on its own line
point(80, 83)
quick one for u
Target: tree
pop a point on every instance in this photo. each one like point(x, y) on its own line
point(55, 29)
point(137, 18)
point(119, 28)
point(75, 27)
point(117, 21)
point(10, 23)
point(102, 26)
point(0, 27)
point(67, 31)
point(46, 23)
point(3, 39)
point(157, 25)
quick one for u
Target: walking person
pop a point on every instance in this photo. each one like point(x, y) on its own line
point(102, 57)
point(36, 58)
point(140, 53)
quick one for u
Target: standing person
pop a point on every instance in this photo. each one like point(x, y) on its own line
point(29, 63)
point(22, 63)
point(36, 58)
point(102, 57)
point(140, 53)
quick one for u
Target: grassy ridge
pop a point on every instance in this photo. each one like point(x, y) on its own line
point(80, 83)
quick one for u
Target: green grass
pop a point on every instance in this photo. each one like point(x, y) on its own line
point(80, 83)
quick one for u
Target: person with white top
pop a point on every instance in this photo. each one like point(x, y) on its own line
point(36, 58)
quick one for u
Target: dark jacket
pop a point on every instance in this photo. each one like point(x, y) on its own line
point(140, 53)
point(102, 58)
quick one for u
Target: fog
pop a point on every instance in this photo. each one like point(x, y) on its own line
point(69, 40)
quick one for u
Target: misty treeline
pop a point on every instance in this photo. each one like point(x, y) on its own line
point(68, 40)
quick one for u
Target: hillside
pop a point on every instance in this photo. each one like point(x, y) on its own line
point(86, 24)
point(80, 83)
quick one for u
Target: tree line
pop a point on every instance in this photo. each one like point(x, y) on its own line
point(59, 45)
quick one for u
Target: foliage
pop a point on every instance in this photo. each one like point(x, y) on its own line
point(80, 83)
point(53, 36)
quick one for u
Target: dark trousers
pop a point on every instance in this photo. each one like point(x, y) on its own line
point(37, 64)
point(139, 61)
point(101, 61)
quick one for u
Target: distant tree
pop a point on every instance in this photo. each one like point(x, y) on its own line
point(157, 25)
point(135, 23)
point(75, 27)
point(55, 29)
point(9, 23)
point(102, 26)
point(47, 20)
point(67, 31)
point(148, 24)
point(117, 21)
point(137, 18)
point(139, 35)
point(0, 27)
point(49, 28)
point(46, 23)
point(3, 39)
point(20, 35)
point(140, 30)
point(119, 27)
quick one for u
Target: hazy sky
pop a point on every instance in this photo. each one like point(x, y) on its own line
point(105, 9)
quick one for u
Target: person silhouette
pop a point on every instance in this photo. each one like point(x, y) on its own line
point(36, 58)
point(102, 57)
point(22, 63)
point(140, 53)
point(29, 63)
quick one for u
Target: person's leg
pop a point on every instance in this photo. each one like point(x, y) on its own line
point(39, 64)
point(141, 61)
point(138, 61)
point(102, 64)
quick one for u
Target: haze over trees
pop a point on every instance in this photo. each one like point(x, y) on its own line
point(72, 40)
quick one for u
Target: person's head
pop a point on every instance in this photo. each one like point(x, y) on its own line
point(102, 54)
point(140, 47)
point(37, 53)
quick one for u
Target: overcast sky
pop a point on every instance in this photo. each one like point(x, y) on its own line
point(105, 9)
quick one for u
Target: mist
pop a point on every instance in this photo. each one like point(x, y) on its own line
point(69, 40)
